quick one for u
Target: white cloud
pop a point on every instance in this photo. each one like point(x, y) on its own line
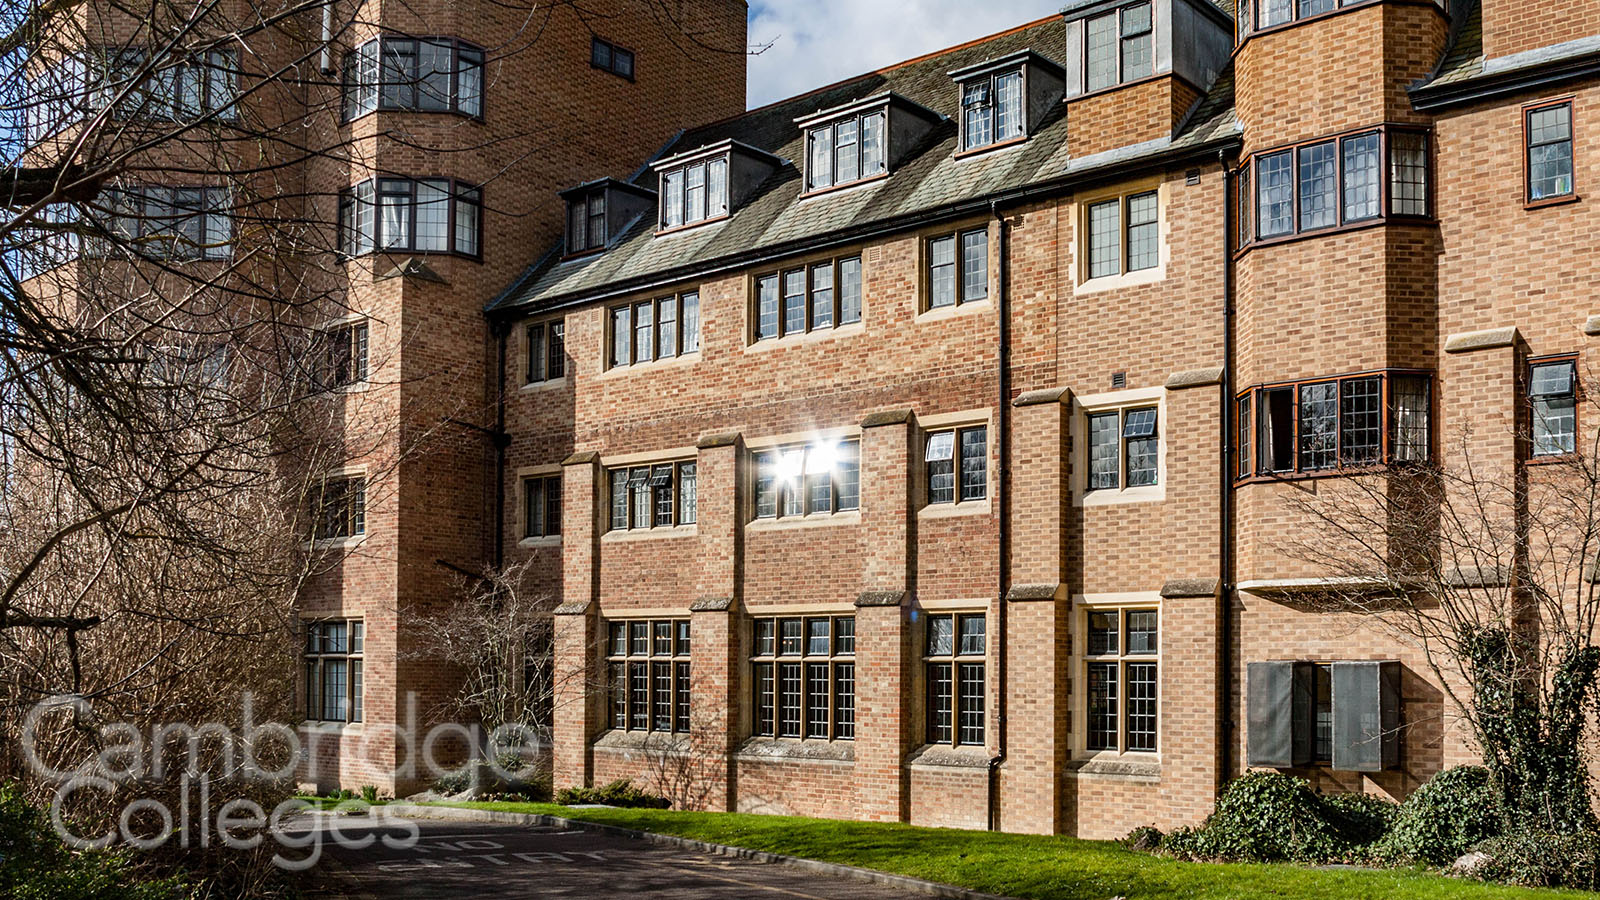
point(818, 42)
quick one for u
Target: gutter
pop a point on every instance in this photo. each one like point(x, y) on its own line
point(1434, 97)
point(1225, 508)
point(1003, 455)
point(949, 212)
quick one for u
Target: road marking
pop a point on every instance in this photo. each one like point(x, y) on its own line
point(740, 881)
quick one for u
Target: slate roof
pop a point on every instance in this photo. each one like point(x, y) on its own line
point(1464, 59)
point(930, 179)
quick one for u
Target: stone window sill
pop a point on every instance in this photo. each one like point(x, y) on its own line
point(952, 510)
point(761, 749)
point(549, 540)
point(1129, 766)
point(647, 534)
point(655, 741)
point(815, 520)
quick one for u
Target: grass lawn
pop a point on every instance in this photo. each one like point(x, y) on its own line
point(1036, 867)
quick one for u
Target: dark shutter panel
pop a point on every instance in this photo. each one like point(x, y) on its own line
point(1303, 720)
point(1269, 691)
point(1366, 715)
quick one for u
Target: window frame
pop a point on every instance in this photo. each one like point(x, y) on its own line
point(836, 303)
point(767, 694)
point(540, 492)
point(1122, 659)
point(681, 471)
point(596, 42)
point(957, 461)
point(314, 659)
point(959, 661)
point(341, 356)
point(832, 128)
point(959, 270)
point(681, 171)
point(457, 195)
point(1576, 393)
point(1248, 181)
point(765, 459)
point(1123, 441)
point(1528, 111)
point(128, 216)
point(98, 69)
point(1124, 225)
point(350, 111)
point(621, 658)
point(578, 243)
point(963, 145)
point(1386, 456)
point(1248, 19)
point(679, 301)
point(1118, 59)
point(550, 338)
point(354, 513)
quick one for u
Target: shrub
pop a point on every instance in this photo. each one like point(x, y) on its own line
point(369, 794)
point(1443, 819)
point(617, 793)
point(1536, 859)
point(1144, 838)
point(36, 865)
point(1268, 816)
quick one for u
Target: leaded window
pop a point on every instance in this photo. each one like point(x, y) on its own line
point(808, 298)
point(433, 74)
point(958, 268)
point(541, 506)
point(1549, 136)
point(1121, 678)
point(846, 151)
point(694, 192)
point(655, 329)
point(647, 673)
point(1336, 182)
point(428, 215)
point(1553, 395)
point(1350, 422)
point(1124, 448)
point(546, 345)
point(1124, 235)
point(820, 478)
point(1118, 47)
point(661, 495)
point(333, 670)
point(952, 483)
point(954, 656)
point(804, 675)
point(991, 110)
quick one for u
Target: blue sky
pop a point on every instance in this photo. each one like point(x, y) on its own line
point(817, 42)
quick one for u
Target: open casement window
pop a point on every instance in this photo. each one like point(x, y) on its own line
point(1365, 176)
point(803, 299)
point(1548, 130)
point(541, 506)
point(1350, 422)
point(1553, 402)
point(1121, 678)
point(949, 482)
point(991, 109)
point(655, 329)
point(803, 671)
point(955, 658)
point(647, 672)
point(816, 479)
point(1124, 448)
point(1345, 714)
point(848, 150)
point(547, 351)
point(958, 268)
point(660, 495)
point(333, 664)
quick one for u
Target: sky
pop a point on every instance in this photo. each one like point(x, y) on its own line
point(817, 42)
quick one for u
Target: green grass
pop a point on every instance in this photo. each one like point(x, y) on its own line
point(1031, 866)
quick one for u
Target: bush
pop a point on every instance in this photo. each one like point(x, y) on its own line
point(36, 865)
point(617, 793)
point(1269, 817)
point(1443, 819)
point(1533, 859)
point(1144, 838)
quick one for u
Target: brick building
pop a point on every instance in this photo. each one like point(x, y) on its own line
point(916, 449)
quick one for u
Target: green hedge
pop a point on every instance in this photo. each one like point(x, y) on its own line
point(1271, 817)
point(617, 793)
point(36, 865)
point(1446, 817)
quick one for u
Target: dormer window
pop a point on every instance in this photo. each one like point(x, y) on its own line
point(851, 149)
point(694, 193)
point(1119, 46)
point(991, 110)
point(598, 212)
point(586, 221)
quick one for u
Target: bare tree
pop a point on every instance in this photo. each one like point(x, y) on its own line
point(1487, 568)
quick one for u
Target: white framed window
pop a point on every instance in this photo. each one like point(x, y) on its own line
point(848, 150)
point(992, 110)
point(1123, 439)
point(696, 192)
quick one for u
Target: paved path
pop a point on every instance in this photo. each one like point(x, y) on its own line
point(482, 861)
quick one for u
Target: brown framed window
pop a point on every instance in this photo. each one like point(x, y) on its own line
point(813, 297)
point(804, 675)
point(647, 675)
point(812, 479)
point(609, 57)
point(339, 356)
point(1547, 130)
point(958, 268)
point(991, 109)
point(546, 344)
point(1121, 678)
point(586, 221)
point(845, 151)
point(655, 329)
point(541, 506)
point(1117, 47)
point(417, 215)
point(1346, 422)
point(333, 664)
point(1553, 405)
point(1365, 176)
point(955, 659)
point(1124, 448)
point(660, 495)
point(947, 482)
point(433, 74)
point(694, 192)
point(340, 509)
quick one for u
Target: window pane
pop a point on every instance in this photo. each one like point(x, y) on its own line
point(716, 187)
point(844, 701)
point(1103, 451)
point(1103, 633)
point(844, 636)
point(874, 161)
point(1104, 240)
point(433, 215)
point(789, 699)
point(661, 488)
point(1319, 423)
point(1142, 706)
point(597, 220)
point(941, 635)
point(1361, 177)
point(766, 485)
point(688, 494)
point(533, 507)
point(941, 467)
point(1409, 187)
point(638, 638)
point(661, 696)
point(942, 272)
point(643, 332)
point(1142, 461)
point(619, 499)
point(552, 505)
point(767, 308)
point(977, 113)
point(847, 162)
point(672, 197)
point(469, 83)
point(971, 704)
point(1315, 7)
point(1275, 194)
point(1142, 632)
point(847, 474)
point(434, 68)
point(822, 296)
point(1550, 152)
point(1102, 690)
point(1409, 399)
point(1242, 420)
point(694, 193)
point(766, 637)
point(667, 327)
point(468, 211)
point(333, 689)
point(974, 266)
point(817, 637)
point(794, 301)
point(972, 636)
point(1144, 230)
point(819, 166)
point(394, 199)
point(1318, 187)
point(399, 73)
point(638, 696)
point(1102, 52)
point(791, 636)
point(764, 699)
point(619, 695)
point(940, 701)
point(681, 720)
point(1137, 61)
point(600, 54)
point(691, 323)
point(536, 350)
point(1360, 421)
point(974, 463)
point(818, 688)
point(1008, 106)
point(1276, 12)
point(849, 290)
point(622, 62)
point(621, 336)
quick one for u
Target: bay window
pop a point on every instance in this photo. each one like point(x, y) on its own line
point(429, 215)
point(1332, 183)
point(1349, 422)
point(432, 74)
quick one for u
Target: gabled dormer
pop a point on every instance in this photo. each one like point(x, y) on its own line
point(599, 211)
point(710, 182)
point(1004, 100)
point(862, 140)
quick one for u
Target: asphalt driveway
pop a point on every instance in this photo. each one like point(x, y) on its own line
point(482, 861)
